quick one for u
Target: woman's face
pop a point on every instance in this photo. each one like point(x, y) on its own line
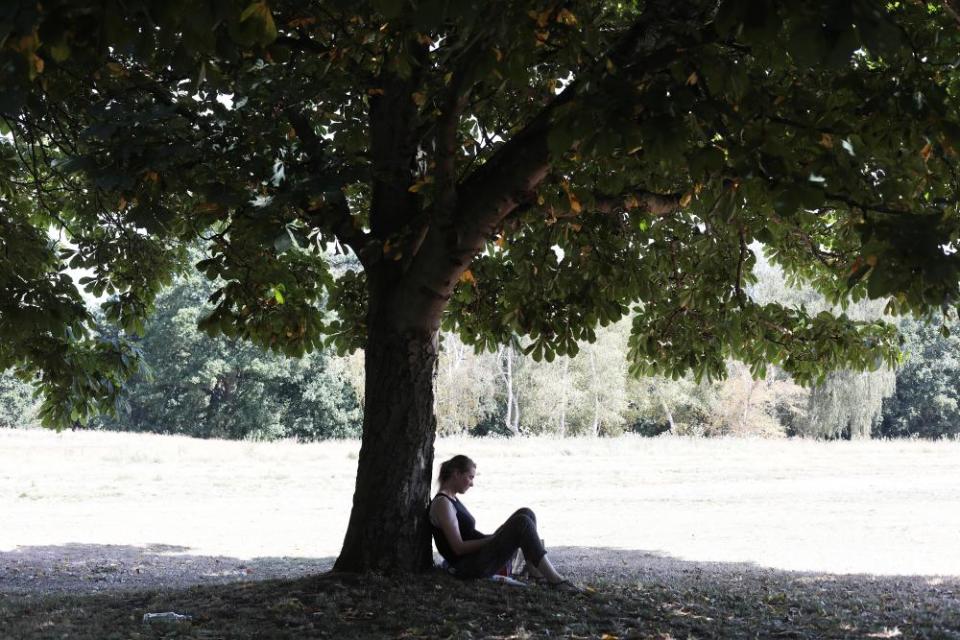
point(464, 479)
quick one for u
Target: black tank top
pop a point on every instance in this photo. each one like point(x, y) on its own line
point(465, 522)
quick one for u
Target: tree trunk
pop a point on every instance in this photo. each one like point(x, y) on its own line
point(596, 416)
point(564, 399)
point(745, 413)
point(596, 394)
point(669, 414)
point(513, 407)
point(388, 529)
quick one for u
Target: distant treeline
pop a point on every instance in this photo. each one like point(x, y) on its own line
point(224, 388)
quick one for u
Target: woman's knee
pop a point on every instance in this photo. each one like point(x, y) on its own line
point(521, 521)
point(524, 511)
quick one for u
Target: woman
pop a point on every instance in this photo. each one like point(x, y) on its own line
point(472, 554)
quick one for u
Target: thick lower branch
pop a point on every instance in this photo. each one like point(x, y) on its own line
point(507, 179)
point(656, 204)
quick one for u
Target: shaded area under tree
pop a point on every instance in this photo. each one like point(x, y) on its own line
point(635, 594)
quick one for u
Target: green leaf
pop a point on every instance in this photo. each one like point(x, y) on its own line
point(706, 161)
point(561, 138)
point(72, 165)
point(257, 23)
point(807, 44)
point(841, 47)
point(389, 9)
point(730, 16)
point(282, 242)
point(59, 51)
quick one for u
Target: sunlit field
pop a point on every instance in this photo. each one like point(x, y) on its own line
point(878, 507)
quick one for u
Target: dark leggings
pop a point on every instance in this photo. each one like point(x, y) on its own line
point(519, 531)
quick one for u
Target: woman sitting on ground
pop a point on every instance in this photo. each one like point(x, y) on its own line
point(471, 554)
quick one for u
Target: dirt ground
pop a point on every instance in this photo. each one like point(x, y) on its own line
point(692, 538)
point(630, 595)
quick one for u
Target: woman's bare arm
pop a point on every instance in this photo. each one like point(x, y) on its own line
point(444, 516)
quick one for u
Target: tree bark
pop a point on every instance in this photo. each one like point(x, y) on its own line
point(746, 404)
point(564, 399)
point(388, 529)
point(596, 395)
point(669, 414)
point(513, 407)
point(505, 369)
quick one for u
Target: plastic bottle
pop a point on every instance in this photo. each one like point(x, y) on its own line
point(166, 616)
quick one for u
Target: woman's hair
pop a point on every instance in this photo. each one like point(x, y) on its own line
point(459, 463)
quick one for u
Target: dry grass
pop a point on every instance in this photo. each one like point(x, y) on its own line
point(880, 507)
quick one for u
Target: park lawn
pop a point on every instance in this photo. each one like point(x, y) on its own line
point(876, 507)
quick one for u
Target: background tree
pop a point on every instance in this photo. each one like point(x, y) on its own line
point(552, 396)
point(18, 408)
point(845, 403)
point(584, 394)
point(507, 363)
point(227, 388)
point(455, 148)
point(748, 406)
point(603, 378)
point(926, 401)
point(466, 388)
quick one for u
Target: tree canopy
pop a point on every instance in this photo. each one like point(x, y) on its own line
point(509, 168)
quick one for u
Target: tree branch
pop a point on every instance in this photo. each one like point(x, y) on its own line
point(393, 151)
point(953, 8)
point(657, 204)
point(876, 208)
point(738, 285)
point(510, 176)
point(446, 140)
point(335, 212)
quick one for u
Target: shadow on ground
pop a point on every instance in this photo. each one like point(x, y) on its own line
point(92, 568)
point(633, 594)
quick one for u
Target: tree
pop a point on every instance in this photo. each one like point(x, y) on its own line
point(585, 394)
point(226, 387)
point(510, 168)
point(465, 387)
point(758, 407)
point(508, 361)
point(845, 403)
point(926, 401)
point(18, 408)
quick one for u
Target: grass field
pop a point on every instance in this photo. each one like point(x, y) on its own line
point(676, 538)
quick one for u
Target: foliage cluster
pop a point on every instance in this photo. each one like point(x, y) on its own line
point(18, 406)
point(452, 146)
point(926, 401)
point(226, 388)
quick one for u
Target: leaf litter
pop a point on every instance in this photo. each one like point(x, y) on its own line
point(704, 600)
